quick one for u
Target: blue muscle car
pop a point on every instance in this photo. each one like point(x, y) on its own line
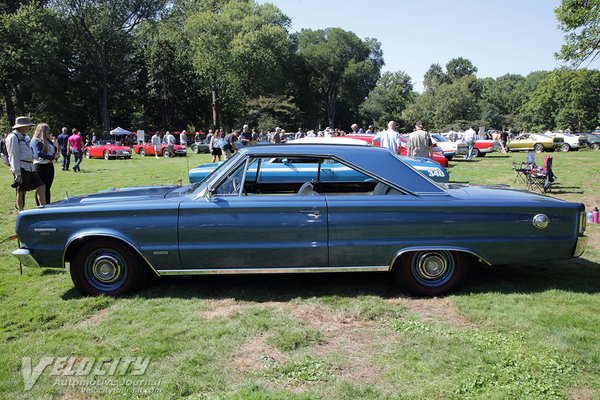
point(238, 221)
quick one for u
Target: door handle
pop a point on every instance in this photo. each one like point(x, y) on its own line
point(311, 211)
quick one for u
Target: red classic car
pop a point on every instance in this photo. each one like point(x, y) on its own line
point(438, 156)
point(107, 150)
point(148, 150)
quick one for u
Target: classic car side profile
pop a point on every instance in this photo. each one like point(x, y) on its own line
point(393, 220)
point(107, 150)
point(536, 142)
point(148, 150)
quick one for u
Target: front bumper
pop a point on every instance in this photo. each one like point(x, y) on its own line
point(24, 256)
point(580, 246)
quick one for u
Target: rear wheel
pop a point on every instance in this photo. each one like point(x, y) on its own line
point(142, 152)
point(195, 149)
point(106, 266)
point(565, 147)
point(106, 155)
point(595, 146)
point(538, 148)
point(432, 272)
point(87, 154)
point(477, 152)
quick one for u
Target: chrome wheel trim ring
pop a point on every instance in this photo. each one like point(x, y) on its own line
point(433, 268)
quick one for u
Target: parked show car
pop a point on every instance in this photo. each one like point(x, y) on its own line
point(198, 148)
point(536, 142)
point(392, 220)
point(482, 147)
point(449, 148)
point(593, 140)
point(107, 150)
point(148, 150)
point(571, 142)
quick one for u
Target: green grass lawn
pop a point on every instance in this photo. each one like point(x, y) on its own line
point(516, 332)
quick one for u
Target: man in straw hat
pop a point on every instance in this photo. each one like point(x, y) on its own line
point(20, 157)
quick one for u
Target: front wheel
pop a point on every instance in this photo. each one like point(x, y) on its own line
point(195, 149)
point(477, 152)
point(142, 152)
point(106, 267)
point(87, 154)
point(565, 147)
point(595, 146)
point(106, 155)
point(432, 272)
point(538, 148)
point(166, 153)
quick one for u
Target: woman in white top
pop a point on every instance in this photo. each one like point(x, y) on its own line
point(44, 154)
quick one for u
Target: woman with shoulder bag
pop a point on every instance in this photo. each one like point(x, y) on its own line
point(215, 146)
point(44, 154)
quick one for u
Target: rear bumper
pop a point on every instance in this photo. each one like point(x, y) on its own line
point(580, 246)
point(24, 256)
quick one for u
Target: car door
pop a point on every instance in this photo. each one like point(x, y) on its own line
point(233, 230)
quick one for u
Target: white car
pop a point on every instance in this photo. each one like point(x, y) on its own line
point(572, 142)
point(449, 148)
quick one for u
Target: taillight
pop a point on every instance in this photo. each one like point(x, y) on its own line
point(582, 222)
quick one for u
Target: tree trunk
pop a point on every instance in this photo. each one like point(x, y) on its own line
point(10, 109)
point(215, 95)
point(103, 100)
point(331, 98)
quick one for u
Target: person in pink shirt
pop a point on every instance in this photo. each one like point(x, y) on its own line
point(75, 147)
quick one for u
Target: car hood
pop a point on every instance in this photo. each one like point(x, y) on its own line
point(494, 193)
point(118, 195)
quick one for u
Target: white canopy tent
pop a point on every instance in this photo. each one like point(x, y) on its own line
point(119, 131)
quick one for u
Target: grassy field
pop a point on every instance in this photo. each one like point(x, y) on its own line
point(516, 332)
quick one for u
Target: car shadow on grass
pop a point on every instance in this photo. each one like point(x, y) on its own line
point(577, 275)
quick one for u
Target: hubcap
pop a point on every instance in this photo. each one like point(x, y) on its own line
point(433, 268)
point(106, 269)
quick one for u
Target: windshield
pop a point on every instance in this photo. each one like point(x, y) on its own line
point(199, 186)
point(439, 138)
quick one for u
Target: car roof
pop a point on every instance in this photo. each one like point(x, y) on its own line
point(376, 161)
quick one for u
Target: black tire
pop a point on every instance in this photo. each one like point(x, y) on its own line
point(106, 155)
point(595, 146)
point(106, 266)
point(142, 152)
point(477, 152)
point(432, 272)
point(195, 149)
point(538, 148)
point(87, 154)
point(565, 147)
point(166, 153)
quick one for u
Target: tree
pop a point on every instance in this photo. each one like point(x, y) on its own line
point(334, 57)
point(434, 77)
point(388, 99)
point(580, 20)
point(103, 39)
point(239, 49)
point(29, 41)
point(459, 67)
point(565, 99)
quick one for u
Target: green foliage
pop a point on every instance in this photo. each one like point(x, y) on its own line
point(268, 112)
point(388, 99)
point(580, 20)
point(307, 369)
point(564, 99)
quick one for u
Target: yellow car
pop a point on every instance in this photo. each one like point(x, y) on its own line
point(536, 142)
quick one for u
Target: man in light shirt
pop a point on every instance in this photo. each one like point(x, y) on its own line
point(390, 139)
point(470, 137)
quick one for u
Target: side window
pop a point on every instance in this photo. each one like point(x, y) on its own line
point(232, 185)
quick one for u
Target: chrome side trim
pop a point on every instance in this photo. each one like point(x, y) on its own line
point(229, 271)
point(24, 256)
point(44, 230)
point(104, 234)
point(437, 248)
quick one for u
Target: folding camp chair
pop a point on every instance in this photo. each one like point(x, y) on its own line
point(542, 178)
point(523, 169)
